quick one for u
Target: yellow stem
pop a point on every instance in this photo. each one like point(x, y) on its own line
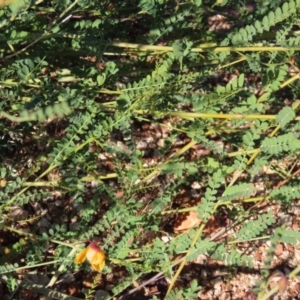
point(256, 48)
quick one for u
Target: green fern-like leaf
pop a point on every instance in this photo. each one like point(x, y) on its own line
point(176, 294)
point(236, 84)
point(244, 35)
point(201, 247)
point(125, 284)
point(180, 243)
point(253, 228)
point(286, 193)
point(231, 257)
point(206, 207)
point(238, 191)
point(160, 203)
point(285, 116)
point(123, 247)
point(288, 236)
point(277, 145)
point(8, 268)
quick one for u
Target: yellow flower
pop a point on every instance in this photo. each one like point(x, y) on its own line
point(94, 255)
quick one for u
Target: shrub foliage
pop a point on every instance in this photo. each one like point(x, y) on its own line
point(79, 78)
